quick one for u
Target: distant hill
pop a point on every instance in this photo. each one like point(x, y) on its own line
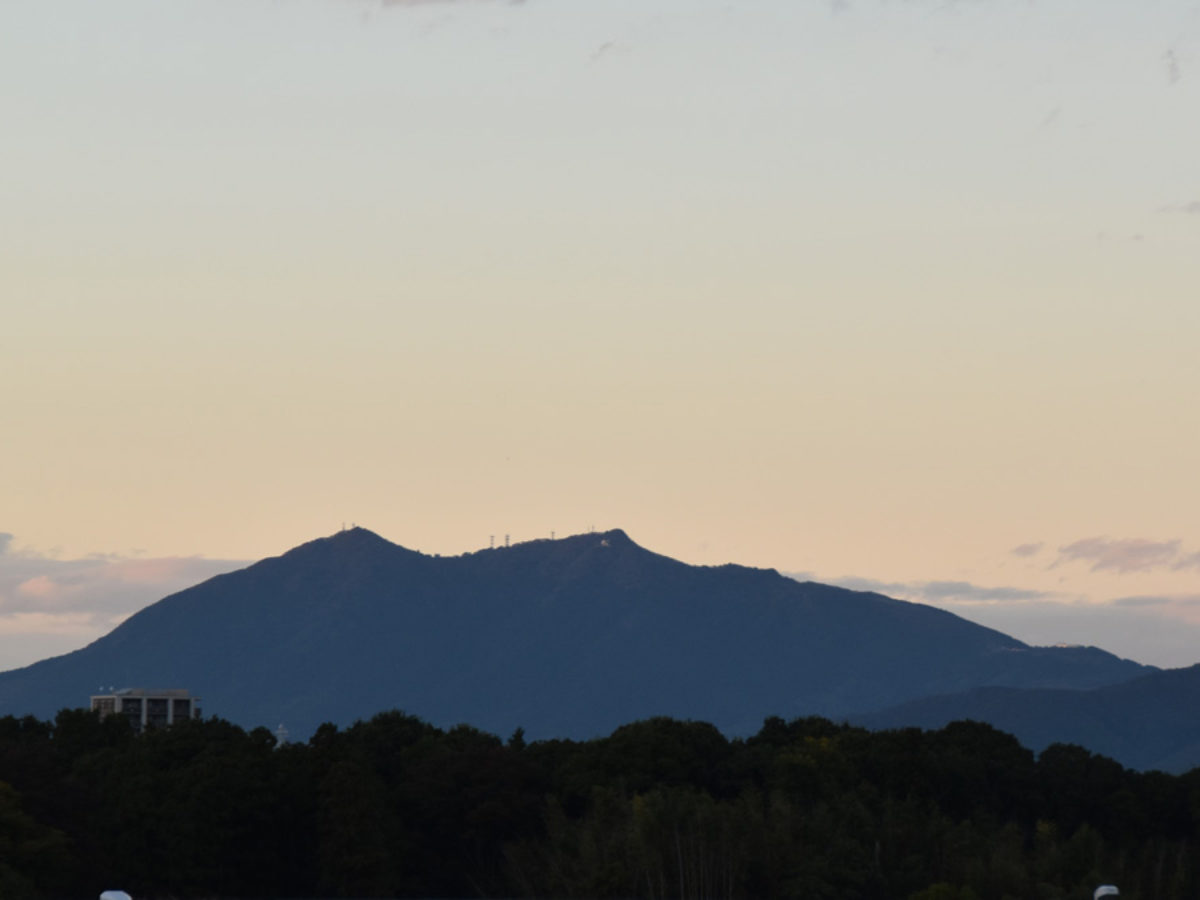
point(567, 638)
point(1147, 723)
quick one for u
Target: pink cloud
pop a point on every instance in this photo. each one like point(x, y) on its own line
point(40, 587)
point(103, 589)
point(50, 606)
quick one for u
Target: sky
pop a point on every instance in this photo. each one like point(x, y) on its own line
point(894, 294)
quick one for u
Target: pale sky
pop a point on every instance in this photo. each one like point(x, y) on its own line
point(898, 294)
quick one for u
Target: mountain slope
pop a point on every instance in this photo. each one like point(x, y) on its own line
point(565, 638)
point(1146, 723)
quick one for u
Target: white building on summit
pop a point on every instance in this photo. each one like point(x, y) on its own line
point(146, 708)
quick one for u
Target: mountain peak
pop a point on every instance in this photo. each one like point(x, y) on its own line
point(612, 538)
point(354, 542)
point(617, 537)
point(612, 535)
point(357, 534)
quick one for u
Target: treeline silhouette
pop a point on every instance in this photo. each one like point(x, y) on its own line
point(394, 807)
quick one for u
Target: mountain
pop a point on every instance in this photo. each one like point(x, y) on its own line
point(566, 638)
point(1147, 723)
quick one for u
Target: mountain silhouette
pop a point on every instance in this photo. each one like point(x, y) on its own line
point(1147, 723)
point(565, 638)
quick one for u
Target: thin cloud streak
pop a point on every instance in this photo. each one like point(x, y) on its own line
point(1165, 600)
point(1141, 602)
point(1191, 561)
point(1122, 555)
point(933, 592)
point(1190, 209)
point(1026, 550)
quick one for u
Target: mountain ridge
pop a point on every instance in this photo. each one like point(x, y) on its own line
point(565, 638)
point(1147, 722)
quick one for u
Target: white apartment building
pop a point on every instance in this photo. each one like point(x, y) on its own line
point(148, 708)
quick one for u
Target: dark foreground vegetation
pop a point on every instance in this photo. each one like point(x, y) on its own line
point(661, 808)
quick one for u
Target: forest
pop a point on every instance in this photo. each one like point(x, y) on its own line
point(394, 807)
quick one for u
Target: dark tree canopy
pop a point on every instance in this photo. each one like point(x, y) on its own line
point(394, 807)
